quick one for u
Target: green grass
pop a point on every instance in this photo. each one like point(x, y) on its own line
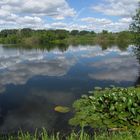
point(126, 135)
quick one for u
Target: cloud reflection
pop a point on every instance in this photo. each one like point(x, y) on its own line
point(118, 69)
point(21, 73)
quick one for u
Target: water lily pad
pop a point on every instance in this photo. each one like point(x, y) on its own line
point(62, 109)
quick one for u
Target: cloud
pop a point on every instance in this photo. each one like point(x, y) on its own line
point(96, 24)
point(99, 24)
point(48, 14)
point(57, 9)
point(59, 25)
point(32, 13)
point(123, 8)
point(101, 21)
point(22, 21)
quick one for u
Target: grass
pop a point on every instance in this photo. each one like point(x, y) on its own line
point(126, 135)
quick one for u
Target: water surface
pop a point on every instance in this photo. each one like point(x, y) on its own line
point(33, 82)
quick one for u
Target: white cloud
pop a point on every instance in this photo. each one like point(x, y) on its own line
point(124, 8)
point(125, 20)
point(99, 24)
point(101, 21)
point(32, 13)
point(30, 20)
point(59, 25)
point(56, 9)
point(36, 14)
point(68, 26)
point(21, 21)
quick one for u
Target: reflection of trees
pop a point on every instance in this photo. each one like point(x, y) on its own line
point(49, 47)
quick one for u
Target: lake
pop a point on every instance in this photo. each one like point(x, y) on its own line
point(34, 81)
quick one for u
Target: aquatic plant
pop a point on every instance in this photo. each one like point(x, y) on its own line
point(62, 109)
point(110, 108)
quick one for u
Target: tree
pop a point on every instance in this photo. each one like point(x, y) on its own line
point(135, 25)
point(104, 32)
point(92, 33)
point(7, 32)
point(61, 34)
point(26, 32)
point(74, 32)
point(84, 32)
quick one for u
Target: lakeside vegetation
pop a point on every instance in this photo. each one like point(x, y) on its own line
point(74, 136)
point(109, 109)
point(33, 38)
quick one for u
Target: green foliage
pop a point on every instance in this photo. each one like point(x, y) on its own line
point(135, 26)
point(74, 32)
point(61, 34)
point(47, 37)
point(29, 37)
point(26, 32)
point(109, 108)
point(105, 32)
point(5, 33)
point(84, 32)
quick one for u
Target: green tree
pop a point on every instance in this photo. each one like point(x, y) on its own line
point(74, 32)
point(7, 32)
point(61, 34)
point(104, 32)
point(135, 25)
point(47, 37)
point(26, 32)
point(92, 33)
point(84, 32)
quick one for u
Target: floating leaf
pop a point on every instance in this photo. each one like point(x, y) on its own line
point(62, 109)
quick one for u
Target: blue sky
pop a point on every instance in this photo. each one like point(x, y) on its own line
point(112, 15)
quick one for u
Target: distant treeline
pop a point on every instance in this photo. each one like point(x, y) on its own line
point(30, 37)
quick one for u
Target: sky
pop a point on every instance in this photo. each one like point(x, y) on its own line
point(92, 15)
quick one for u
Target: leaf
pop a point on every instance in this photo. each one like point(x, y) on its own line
point(62, 109)
point(133, 111)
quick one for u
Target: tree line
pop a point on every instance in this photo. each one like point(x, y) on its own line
point(59, 36)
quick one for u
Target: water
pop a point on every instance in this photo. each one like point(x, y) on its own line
point(33, 82)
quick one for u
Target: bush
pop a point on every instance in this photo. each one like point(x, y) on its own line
point(108, 109)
